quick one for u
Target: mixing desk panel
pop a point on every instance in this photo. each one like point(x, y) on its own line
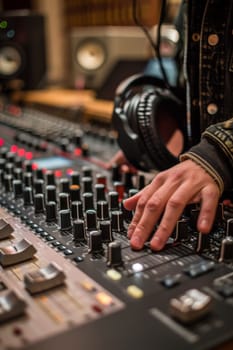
point(68, 276)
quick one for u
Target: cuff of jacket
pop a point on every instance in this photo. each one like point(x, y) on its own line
point(206, 166)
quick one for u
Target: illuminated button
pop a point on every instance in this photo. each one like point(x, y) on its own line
point(135, 292)
point(11, 306)
point(114, 275)
point(5, 229)
point(212, 108)
point(87, 285)
point(104, 299)
point(21, 251)
point(213, 39)
point(45, 278)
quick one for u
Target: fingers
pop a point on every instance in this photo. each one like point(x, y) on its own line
point(174, 209)
point(210, 197)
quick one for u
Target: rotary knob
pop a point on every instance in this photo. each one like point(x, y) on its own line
point(64, 220)
point(95, 242)
point(114, 256)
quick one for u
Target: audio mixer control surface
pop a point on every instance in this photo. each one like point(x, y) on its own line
point(68, 276)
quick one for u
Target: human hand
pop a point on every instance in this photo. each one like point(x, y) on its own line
point(166, 197)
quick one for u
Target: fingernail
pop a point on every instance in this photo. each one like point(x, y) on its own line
point(136, 242)
point(156, 243)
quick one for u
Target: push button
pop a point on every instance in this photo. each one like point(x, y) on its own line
point(213, 39)
point(212, 108)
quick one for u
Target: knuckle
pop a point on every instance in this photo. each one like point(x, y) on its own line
point(175, 203)
point(153, 205)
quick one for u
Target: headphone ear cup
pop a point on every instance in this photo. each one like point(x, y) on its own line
point(158, 109)
point(143, 106)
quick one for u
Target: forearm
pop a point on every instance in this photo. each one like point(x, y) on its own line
point(215, 153)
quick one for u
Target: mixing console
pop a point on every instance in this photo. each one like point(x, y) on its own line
point(68, 277)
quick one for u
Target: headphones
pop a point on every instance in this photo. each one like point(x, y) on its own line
point(147, 116)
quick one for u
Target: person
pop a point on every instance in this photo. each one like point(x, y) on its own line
point(205, 171)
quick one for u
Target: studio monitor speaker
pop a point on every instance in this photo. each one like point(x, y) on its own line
point(22, 50)
point(96, 51)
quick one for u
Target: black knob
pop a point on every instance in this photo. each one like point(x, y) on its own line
point(10, 156)
point(140, 182)
point(39, 174)
point(18, 162)
point(226, 252)
point(28, 179)
point(77, 210)
point(28, 166)
point(17, 188)
point(113, 199)
point(51, 193)
point(64, 219)
point(79, 230)
point(116, 175)
point(88, 200)
point(2, 163)
point(128, 180)
point(75, 193)
point(64, 185)
point(182, 231)
point(106, 231)
point(229, 228)
point(117, 221)
point(28, 196)
point(8, 182)
point(64, 201)
point(114, 256)
point(9, 168)
point(95, 242)
point(39, 203)
point(193, 218)
point(77, 138)
point(102, 210)
point(39, 186)
point(87, 171)
point(87, 184)
point(91, 221)
point(100, 192)
point(203, 242)
point(75, 178)
point(50, 178)
point(127, 214)
point(51, 211)
point(18, 174)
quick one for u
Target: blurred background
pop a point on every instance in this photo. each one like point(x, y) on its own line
point(80, 44)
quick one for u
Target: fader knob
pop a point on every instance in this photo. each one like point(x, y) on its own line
point(116, 175)
point(77, 210)
point(64, 185)
point(79, 230)
point(39, 203)
point(203, 242)
point(102, 210)
point(117, 221)
point(51, 211)
point(75, 193)
point(113, 199)
point(91, 221)
point(95, 242)
point(106, 231)
point(27, 196)
point(39, 186)
point(64, 201)
point(17, 188)
point(229, 228)
point(226, 252)
point(8, 179)
point(100, 192)
point(182, 231)
point(51, 193)
point(64, 219)
point(114, 256)
point(88, 200)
